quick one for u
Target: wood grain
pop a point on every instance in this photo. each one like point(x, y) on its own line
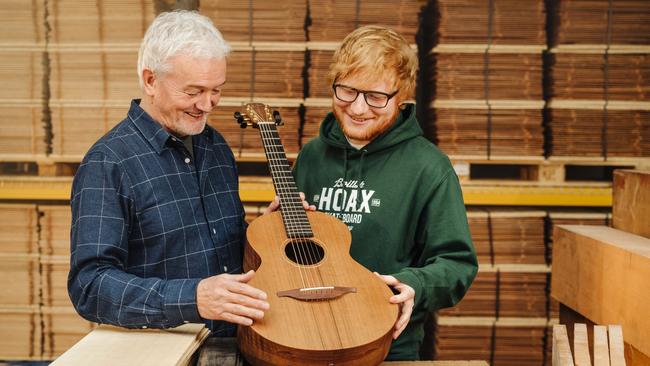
point(602, 273)
point(631, 206)
point(354, 329)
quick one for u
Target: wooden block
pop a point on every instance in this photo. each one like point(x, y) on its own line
point(108, 345)
point(581, 345)
point(631, 206)
point(602, 273)
point(561, 349)
point(616, 350)
point(601, 348)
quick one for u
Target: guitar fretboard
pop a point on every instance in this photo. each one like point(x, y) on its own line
point(294, 217)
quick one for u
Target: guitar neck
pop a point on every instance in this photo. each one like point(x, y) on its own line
point(294, 217)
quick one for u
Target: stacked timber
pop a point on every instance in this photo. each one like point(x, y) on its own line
point(588, 22)
point(557, 218)
point(332, 20)
point(507, 341)
point(506, 306)
point(257, 20)
point(600, 273)
point(598, 79)
point(92, 55)
point(23, 74)
point(482, 73)
point(508, 236)
point(19, 269)
point(62, 326)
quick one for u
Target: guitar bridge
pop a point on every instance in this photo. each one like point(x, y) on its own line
point(317, 293)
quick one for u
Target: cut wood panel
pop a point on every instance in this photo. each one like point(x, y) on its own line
point(602, 273)
point(332, 20)
point(480, 299)
point(172, 346)
point(62, 328)
point(22, 132)
point(76, 128)
point(623, 77)
point(22, 22)
point(313, 118)
point(497, 76)
point(631, 205)
point(507, 341)
point(92, 22)
point(21, 278)
point(55, 224)
point(54, 278)
point(258, 20)
point(488, 132)
point(595, 132)
point(19, 228)
point(511, 22)
point(586, 22)
point(94, 74)
point(581, 345)
point(616, 351)
point(320, 85)
point(265, 73)
point(20, 333)
point(22, 72)
point(601, 346)
point(561, 348)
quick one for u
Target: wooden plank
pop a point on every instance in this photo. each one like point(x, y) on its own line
point(631, 205)
point(616, 350)
point(108, 345)
point(601, 348)
point(581, 345)
point(561, 349)
point(602, 273)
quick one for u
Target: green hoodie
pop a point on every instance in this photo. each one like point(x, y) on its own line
point(401, 199)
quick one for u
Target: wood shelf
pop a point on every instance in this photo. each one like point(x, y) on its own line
point(260, 189)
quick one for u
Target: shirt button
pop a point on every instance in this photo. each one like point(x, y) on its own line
point(187, 160)
point(214, 231)
point(225, 269)
point(144, 327)
point(174, 139)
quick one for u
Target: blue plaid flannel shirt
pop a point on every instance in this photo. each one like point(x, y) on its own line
point(149, 222)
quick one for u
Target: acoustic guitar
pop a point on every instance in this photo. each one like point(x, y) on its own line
point(325, 308)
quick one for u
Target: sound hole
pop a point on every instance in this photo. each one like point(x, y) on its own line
point(304, 252)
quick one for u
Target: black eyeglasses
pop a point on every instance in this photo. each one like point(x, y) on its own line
point(374, 99)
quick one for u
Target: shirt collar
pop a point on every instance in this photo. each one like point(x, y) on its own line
point(151, 130)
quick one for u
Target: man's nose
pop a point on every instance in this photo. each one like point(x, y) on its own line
point(205, 102)
point(359, 105)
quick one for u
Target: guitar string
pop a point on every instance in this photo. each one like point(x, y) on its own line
point(288, 210)
point(294, 205)
point(293, 217)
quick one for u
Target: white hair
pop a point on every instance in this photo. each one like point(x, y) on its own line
point(176, 32)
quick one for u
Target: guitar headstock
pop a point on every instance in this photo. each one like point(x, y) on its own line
point(254, 113)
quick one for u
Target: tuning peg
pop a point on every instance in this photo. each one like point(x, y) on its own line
point(241, 120)
point(277, 118)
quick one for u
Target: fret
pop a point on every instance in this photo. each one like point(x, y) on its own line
point(294, 217)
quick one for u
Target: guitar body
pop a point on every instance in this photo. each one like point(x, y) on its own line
point(354, 328)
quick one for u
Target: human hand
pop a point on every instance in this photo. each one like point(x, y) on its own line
point(405, 299)
point(275, 204)
point(229, 297)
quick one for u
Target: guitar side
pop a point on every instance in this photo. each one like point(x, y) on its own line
point(352, 329)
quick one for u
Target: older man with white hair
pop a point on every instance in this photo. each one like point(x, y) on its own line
point(157, 224)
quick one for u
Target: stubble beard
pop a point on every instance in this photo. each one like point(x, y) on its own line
point(368, 134)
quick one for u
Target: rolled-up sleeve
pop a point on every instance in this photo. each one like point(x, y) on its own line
point(100, 288)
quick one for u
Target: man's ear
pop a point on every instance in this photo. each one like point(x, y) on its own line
point(148, 81)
